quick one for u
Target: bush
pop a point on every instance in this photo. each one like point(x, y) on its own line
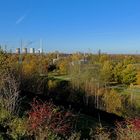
point(45, 119)
point(129, 129)
point(12, 126)
point(4, 115)
point(18, 127)
point(113, 102)
point(100, 134)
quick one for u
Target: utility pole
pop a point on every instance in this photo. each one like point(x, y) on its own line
point(20, 55)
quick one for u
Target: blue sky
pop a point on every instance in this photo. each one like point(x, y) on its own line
point(72, 25)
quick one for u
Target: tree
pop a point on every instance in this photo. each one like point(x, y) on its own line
point(76, 56)
point(128, 60)
point(138, 78)
point(107, 72)
point(112, 102)
point(3, 61)
point(9, 84)
point(125, 74)
point(63, 66)
point(104, 57)
point(118, 72)
point(129, 75)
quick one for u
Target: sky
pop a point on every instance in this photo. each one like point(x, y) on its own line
point(113, 26)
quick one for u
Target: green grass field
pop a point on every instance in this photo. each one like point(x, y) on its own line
point(134, 92)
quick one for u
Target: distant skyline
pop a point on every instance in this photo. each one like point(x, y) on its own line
point(113, 26)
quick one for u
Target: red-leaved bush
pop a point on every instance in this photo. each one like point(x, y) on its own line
point(46, 116)
point(129, 129)
point(135, 123)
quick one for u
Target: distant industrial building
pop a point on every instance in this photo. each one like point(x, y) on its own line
point(37, 51)
point(17, 50)
point(32, 50)
point(24, 50)
point(40, 50)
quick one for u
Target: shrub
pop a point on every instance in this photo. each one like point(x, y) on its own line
point(52, 84)
point(75, 136)
point(18, 127)
point(4, 115)
point(100, 134)
point(11, 126)
point(113, 102)
point(129, 129)
point(46, 118)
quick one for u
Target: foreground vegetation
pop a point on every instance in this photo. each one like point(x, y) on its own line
point(40, 96)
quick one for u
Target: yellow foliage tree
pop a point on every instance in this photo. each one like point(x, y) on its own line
point(63, 66)
point(138, 78)
point(112, 102)
point(29, 68)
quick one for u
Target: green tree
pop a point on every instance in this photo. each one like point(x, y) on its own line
point(138, 78)
point(104, 57)
point(128, 60)
point(107, 72)
point(118, 72)
point(129, 75)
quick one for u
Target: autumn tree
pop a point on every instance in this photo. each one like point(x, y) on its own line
point(138, 78)
point(118, 72)
point(128, 60)
point(43, 64)
point(9, 84)
point(112, 102)
point(103, 58)
point(107, 72)
point(3, 60)
point(125, 72)
point(63, 66)
point(29, 68)
point(129, 75)
point(76, 56)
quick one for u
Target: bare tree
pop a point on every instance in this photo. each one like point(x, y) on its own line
point(10, 90)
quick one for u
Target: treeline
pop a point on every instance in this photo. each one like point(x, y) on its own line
point(93, 81)
point(101, 78)
point(104, 80)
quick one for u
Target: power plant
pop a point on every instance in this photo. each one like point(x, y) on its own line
point(25, 51)
point(17, 50)
point(32, 50)
point(24, 48)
